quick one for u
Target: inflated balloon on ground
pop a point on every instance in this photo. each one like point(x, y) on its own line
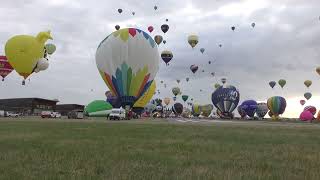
point(277, 105)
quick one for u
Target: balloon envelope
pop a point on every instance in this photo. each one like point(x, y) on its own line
point(165, 28)
point(147, 96)
point(128, 61)
point(272, 84)
point(194, 68)
point(5, 67)
point(306, 116)
point(311, 109)
point(50, 48)
point(158, 39)
point(176, 91)
point(250, 107)
point(241, 112)
point(262, 110)
point(282, 82)
point(185, 97)
point(277, 105)
point(307, 95)
point(166, 56)
point(193, 40)
point(177, 108)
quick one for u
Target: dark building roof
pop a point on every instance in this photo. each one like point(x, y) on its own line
point(28, 99)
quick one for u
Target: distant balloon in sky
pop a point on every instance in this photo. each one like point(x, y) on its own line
point(209, 62)
point(212, 74)
point(272, 84)
point(307, 95)
point(165, 28)
point(166, 56)
point(302, 102)
point(155, 7)
point(282, 82)
point(117, 27)
point(184, 97)
point(223, 80)
point(133, 13)
point(128, 61)
point(176, 91)
point(253, 25)
point(150, 29)
point(158, 39)
point(167, 20)
point(187, 79)
point(194, 68)
point(178, 81)
point(233, 28)
point(307, 83)
point(216, 85)
point(5, 67)
point(277, 105)
point(193, 40)
point(120, 11)
point(202, 50)
point(164, 41)
point(220, 45)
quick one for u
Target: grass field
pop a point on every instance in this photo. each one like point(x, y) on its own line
point(58, 149)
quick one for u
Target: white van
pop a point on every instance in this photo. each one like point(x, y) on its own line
point(117, 114)
point(2, 113)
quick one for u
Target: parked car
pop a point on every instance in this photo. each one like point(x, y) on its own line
point(76, 115)
point(2, 113)
point(11, 114)
point(117, 114)
point(49, 114)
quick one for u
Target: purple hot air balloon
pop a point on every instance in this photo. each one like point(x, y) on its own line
point(250, 107)
point(241, 112)
point(194, 68)
point(177, 108)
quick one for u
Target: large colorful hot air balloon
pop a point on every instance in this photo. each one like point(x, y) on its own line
point(262, 110)
point(282, 82)
point(5, 67)
point(176, 91)
point(165, 28)
point(128, 61)
point(307, 95)
point(307, 83)
point(196, 110)
point(226, 99)
point(272, 84)
point(166, 56)
point(194, 68)
point(250, 107)
point(311, 109)
point(277, 105)
point(193, 40)
point(206, 110)
point(241, 112)
point(143, 100)
point(24, 52)
point(158, 39)
point(177, 108)
point(184, 97)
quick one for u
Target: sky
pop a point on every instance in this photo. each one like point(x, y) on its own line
point(283, 45)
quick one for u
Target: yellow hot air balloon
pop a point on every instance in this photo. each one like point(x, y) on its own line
point(193, 40)
point(146, 97)
point(166, 101)
point(24, 51)
point(308, 83)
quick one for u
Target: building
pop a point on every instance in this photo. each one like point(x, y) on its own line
point(64, 109)
point(28, 106)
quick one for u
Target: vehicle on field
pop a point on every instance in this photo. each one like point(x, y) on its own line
point(11, 114)
point(3, 113)
point(49, 114)
point(76, 115)
point(117, 114)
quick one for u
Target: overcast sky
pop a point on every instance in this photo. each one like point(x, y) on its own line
point(284, 44)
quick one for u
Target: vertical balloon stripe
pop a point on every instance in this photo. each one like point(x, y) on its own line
point(115, 85)
point(143, 84)
point(146, 87)
point(119, 82)
point(129, 78)
point(109, 83)
point(124, 70)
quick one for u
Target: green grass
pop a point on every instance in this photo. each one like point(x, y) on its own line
point(33, 149)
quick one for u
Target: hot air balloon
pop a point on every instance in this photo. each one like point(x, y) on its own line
point(5, 67)
point(166, 101)
point(187, 79)
point(23, 52)
point(50, 48)
point(166, 56)
point(216, 85)
point(307, 95)
point(253, 25)
point(98, 108)
point(128, 61)
point(158, 39)
point(194, 68)
point(302, 102)
point(212, 74)
point(150, 29)
point(164, 28)
point(250, 107)
point(282, 82)
point(133, 13)
point(272, 84)
point(241, 112)
point(233, 28)
point(220, 45)
point(307, 83)
point(206, 110)
point(185, 97)
point(143, 100)
point(193, 40)
point(155, 7)
point(262, 110)
point(167, 20)
point(318, 70)
point(226, 99)
point(311, 109)
point(119, 11)
point(177, 108)
point(209, 62)
point(174, 98)
point(202, 70)
point(277, 105)
point(164, 41)
point(117, 27)
point(178, 81)
point(223, 80)
point(176, 91)
point(306, 116)
point(202, 50)
point(196, 110)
